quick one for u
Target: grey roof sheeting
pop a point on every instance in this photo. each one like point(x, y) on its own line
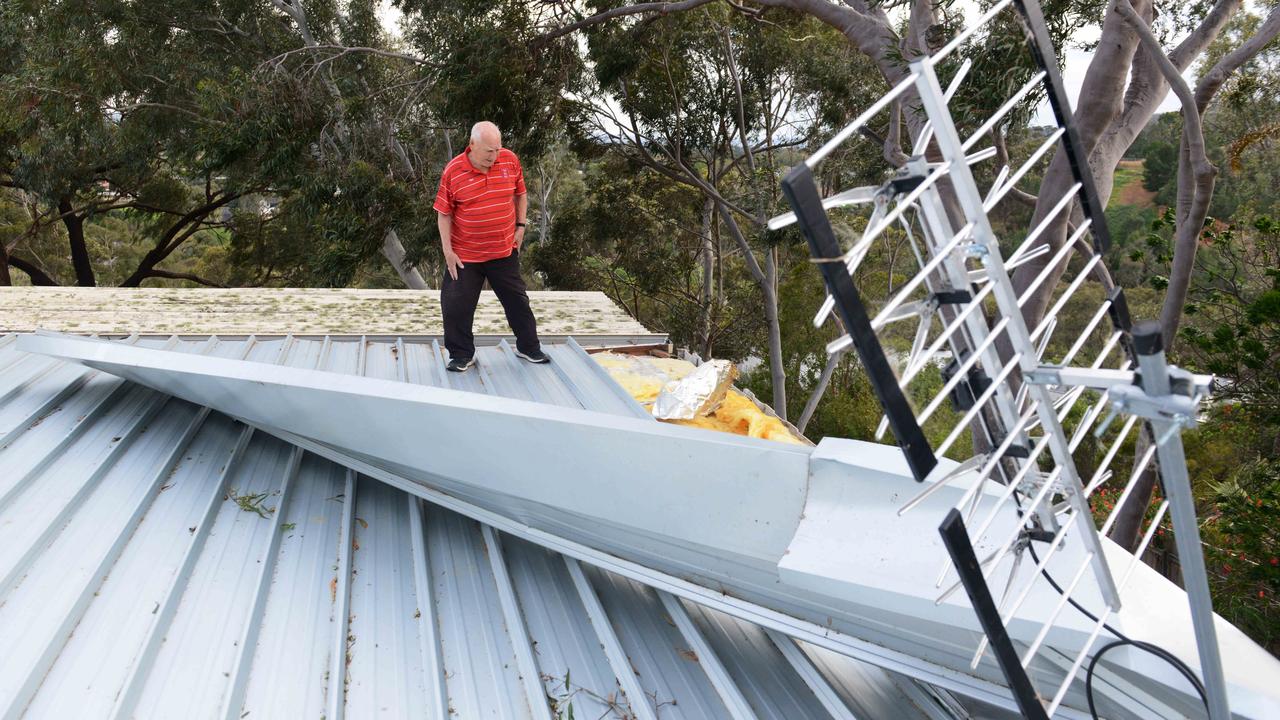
point(161, 560)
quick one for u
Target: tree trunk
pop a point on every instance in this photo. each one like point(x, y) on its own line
point(394, 252)
point(777, 370)
point(1196, 176)
point(1110, 114)
point(180, 231)
point(6, 280)
point(1195, 190)
point(79, 251)
point(766, 280)
point(1130, 516)
point(708, 278)
point(392, 249)
point(545, 186)
point(1100, 104)
point(719, 248)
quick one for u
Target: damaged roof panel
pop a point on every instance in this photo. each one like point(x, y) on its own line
point(162, 559)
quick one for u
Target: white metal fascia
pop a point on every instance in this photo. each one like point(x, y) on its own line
point(768, 478)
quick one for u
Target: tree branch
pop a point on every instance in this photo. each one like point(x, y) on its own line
point(1146, 88)
point(123, 109)
point(1098, 109)
point(684, 175)
point(38, 276)
point(1195, 189)
point(156, 272)
point(80, 260)
point(892, 144)
point(1002, 158)
point(1196, 176)
point(1172, 75)
point(749, 257)
point(1204, 33)
point(178, 233)
point(343, 50)
point(816, 395)
point(294, 10)
point(737, 86)
point(1212, 80)
point(662, 8)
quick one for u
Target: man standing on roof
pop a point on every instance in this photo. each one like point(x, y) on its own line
point(481, 208)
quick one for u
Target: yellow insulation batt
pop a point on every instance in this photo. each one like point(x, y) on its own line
point(643, 378)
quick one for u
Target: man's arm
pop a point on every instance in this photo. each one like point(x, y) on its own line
point(451, 261)
point(522, 213)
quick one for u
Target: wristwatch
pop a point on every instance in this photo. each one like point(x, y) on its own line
point(519, 224)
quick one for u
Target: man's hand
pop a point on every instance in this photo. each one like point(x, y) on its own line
point(452, 263)
point(519, 237)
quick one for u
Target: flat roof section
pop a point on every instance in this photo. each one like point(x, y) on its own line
point(591, 317)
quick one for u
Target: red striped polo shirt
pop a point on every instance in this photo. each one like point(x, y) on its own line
point(481, 205)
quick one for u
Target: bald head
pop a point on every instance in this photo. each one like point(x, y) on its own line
point(485, 130)
point(486, 141)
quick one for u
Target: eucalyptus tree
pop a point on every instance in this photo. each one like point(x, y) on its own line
point(710, 99)
point(285, 129)
point(115, 107)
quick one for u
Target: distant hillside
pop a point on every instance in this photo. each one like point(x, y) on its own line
point(1128, 187)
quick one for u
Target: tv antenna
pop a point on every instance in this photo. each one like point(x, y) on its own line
point(1004, 377)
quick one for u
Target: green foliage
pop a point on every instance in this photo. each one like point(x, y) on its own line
point(192, 133)
point(636, 237)
point(1233, 327)
point(1158, 147)
point(251, 503)
point(1000, 59)
point(1161, 167)
point(1242, 550)
point(489, 64)
point(1239, 133)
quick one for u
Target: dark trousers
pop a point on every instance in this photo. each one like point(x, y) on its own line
point(458, 300)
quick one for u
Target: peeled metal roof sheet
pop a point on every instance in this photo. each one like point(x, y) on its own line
point(160, 560)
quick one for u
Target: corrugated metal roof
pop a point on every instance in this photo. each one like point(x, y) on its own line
point(161, 560)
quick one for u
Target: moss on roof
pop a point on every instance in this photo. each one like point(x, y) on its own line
point(279, 311)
